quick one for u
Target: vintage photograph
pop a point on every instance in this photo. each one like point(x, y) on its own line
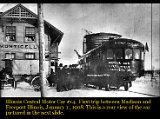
point(79, 50)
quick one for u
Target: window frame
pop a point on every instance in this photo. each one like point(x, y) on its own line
point(11, 54)
point(125, 54)
point(28, 58)
point(115, 53)
point(7, 33)
point(139, 54)
point(30, 35)
point(107, 53)
point(142, 55)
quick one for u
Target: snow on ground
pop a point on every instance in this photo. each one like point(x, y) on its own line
point(140, 86)
point(23, 90)
point(145, 85)
point(90, 92)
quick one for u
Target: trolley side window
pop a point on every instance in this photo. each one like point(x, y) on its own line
point(136, 53)
point(109, 54)
point(128, 54)
point(10, 33)
point(142, 55)
point(29, 34)
point(119, 53)
point(104, 56)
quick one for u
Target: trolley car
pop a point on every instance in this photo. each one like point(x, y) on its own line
point(113, 64)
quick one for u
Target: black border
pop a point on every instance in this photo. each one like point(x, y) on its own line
point(154, 111)
point(155, 106)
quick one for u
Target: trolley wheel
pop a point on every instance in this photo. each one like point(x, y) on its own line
point(12, 82)
point(58, 90)
point(86, 85)
point(118, 87)
point(2, 85)
point(130, 84)
point(126, 87)
point(107, 87)
point(100, 87)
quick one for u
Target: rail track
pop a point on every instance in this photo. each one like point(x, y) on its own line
point(143, 93)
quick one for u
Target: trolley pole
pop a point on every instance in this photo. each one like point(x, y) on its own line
point(41, 49)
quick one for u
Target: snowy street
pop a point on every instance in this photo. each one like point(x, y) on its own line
point(142, 87)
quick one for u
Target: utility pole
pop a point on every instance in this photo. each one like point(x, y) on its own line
point(41, 50)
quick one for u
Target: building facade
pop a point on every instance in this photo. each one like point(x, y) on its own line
point(19, 41)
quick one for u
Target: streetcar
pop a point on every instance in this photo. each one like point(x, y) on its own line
point(113, 63)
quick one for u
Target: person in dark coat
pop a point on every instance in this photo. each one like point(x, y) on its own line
point(61, 79)
point(2, 77)
point(52, 79)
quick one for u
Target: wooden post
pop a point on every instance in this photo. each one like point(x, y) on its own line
point(41, 50)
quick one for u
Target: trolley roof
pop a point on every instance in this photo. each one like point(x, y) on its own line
point(101, 34)
point(124, 42)
point(120, 42)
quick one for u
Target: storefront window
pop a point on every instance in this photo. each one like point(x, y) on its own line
point(10, 33)
point(29, 34)
point(128, 54)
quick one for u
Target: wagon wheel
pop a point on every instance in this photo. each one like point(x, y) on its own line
point(35, 82)
point(11, 80)
point(2, 84)
point(14, 84)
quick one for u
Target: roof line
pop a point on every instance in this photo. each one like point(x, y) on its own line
point(53, 26)
point(22, 7)
point(36, 16)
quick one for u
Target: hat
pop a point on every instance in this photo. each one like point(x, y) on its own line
point(60, 65)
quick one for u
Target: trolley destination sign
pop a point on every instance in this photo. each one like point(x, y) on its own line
point(128, 43)
point(119, 66)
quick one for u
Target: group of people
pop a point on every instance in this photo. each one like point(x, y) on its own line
point(65, 78)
